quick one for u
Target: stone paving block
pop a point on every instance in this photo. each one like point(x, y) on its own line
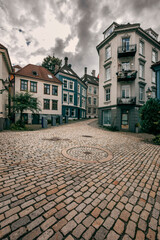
point(88, 234)
point(46, 235)
point(130, 230)
point(18, 233)
point(78, 231)
point(140, 235)
point(48, 223)
point(32, 235)
point(4, 231)
point(112, 235)
point(35, 223)
point(69, 227)
point(88, 221)
point(9, 220)
point(119, 227)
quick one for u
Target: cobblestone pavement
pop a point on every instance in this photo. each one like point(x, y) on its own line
point(44, 195)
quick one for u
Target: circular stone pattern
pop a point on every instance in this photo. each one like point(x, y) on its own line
point(87, 154)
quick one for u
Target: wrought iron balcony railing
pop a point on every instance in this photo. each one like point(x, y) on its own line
point(130, 100)
point(128, 75)
point(128, 50)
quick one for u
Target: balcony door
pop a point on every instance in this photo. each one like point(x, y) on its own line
point(125, 44)
point(125, 91)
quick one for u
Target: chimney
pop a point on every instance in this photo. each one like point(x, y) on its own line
point(56, 68)
point(93, 73)
point(66, 61)
point(85, 70)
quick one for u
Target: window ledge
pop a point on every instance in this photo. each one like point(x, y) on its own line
point(106, 60)
point(106, 102)
point(141, 55)
point(142, 78)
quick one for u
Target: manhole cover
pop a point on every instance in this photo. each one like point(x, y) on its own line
point(87, 154)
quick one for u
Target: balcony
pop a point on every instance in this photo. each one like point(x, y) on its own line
point(126, 101)
point(126, 75)
point(127, 51)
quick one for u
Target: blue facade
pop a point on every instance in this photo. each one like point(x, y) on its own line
point(156, 68)
point(73, 97)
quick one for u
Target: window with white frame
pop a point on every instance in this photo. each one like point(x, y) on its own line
point(108, 73)
point(153, 76)
point(90, 89)
point(83, 103)
point(141, 93)
point(95, 90)
point(65, 97)
point(70, 98)
point(95, 101)
point(67, 112)
point(89, 110)
point(108, 94)
point(64, 83)
point(141, 48)
point(71, 85)
point(78, 100)
point(154, 56)
point(125, 91)
point(78, 88)
point(73, 112)
point(108, 52)
point(107, 117)
point(94, 110)
point(141, 70)
point(89, 100)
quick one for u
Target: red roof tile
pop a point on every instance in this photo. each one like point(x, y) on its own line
point(37, 72)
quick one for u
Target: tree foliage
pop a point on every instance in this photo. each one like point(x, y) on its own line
point(150, 116)
point(50, 63)
point(25, 101)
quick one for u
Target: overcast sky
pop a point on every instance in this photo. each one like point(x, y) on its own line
point(34, 29)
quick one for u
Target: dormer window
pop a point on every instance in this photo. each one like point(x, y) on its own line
point(50, 76)
point(35, 73)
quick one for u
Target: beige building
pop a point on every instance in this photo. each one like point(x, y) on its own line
point(125, 58)
point(5, 70)
point(43, 86)
point(92, 83)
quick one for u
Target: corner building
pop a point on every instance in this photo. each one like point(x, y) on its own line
point(125, 58)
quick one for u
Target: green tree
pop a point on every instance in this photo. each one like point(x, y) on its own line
point(50, 63)
point(25, 101)
point(150, 116)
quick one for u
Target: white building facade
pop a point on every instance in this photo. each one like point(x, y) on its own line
point(125, 58)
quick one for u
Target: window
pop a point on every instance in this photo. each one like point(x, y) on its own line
point(94, 101)
point(78, 88)
point(141, 93)
point(107, 117)
point(95, 90)
point(141, 70)
point(94, 110)
point(46, 104)
point(67, 111)
point(24, 85)
point(108, 52)
point(125, 44)
point(71, 85)
point(108, 73)
point(65, 83)
point(89, 100)
point(90, 89)
point(46, 89)
point(141, 48)
point(73, 112)
point(153, 76)
point(126, 66)
point(33, 87)
point(125, 91)
point(54, 90)
point(83, 103)
point(54, 105)
point(108, 94)
point(64, 97)
point(89, 110)
point(154, 56)
point(78, 101)
point(70, 98)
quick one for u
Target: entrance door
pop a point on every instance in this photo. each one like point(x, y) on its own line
point(125, 120)
point(35, 118)
point(79, 113)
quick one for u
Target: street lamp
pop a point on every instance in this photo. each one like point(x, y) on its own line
point(149, 93)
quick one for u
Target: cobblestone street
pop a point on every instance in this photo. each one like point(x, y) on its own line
point(77, 181)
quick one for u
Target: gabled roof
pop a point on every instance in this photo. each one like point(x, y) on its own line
point(37, 72)
point(90, 79)
point(6, 56)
